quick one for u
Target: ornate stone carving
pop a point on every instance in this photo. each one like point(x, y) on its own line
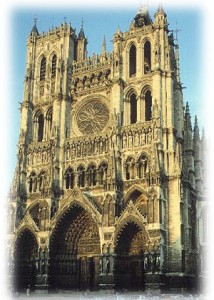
point(92, 117)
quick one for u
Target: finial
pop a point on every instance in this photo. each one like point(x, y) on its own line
point(82, 23)
point(176, 33)
point(64, 20)
point(104, 45)
point(187, 107)
point(52, 22)
point(35, 19)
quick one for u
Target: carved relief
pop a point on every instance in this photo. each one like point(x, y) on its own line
point(92, 117)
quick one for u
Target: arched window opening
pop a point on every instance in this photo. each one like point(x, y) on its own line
point(103, 172)
point(129, 168)
point(32, 183)
point(53, 66)
point(148, 106)
point(142, 166)
point(43, 68)
point(92, 175)
point(132, 61)
point(49, 118)
point(81, 176)
point(42, 180)
point(40, 127)
point(147, 57)
point(133, 109)
point(69, 179)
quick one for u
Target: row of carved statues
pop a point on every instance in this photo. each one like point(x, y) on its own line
point(128, 138)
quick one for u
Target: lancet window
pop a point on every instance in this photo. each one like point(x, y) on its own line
point(40, 128)
point(32, 182)
point(132, 61)
point(130, 168)
point(148, 106)
point(43, 68)
point(103, 173)
point(133, 109)
point(142, 165)
point(81, 176)
point(147, 57)
point(69, 178)
point(92, 175)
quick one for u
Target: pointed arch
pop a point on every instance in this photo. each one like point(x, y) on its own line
point(74, 245)
point(53, 65)
point(102, 171)
point(81, 175)
point(92, 174)
point(147, 57)
point(49, 122)
point(133, 108)
point(129, 168)
point(42, 68)
point(69, 178)
point(32, 181)
point(142, 165)
point(148, 106)
point(25, 254)
point(132, 60)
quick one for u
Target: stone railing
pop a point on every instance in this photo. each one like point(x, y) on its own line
point(93, 62)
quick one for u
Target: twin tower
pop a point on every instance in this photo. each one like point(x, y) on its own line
point(109, 170)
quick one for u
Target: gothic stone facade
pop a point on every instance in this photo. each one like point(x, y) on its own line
point(109, 169)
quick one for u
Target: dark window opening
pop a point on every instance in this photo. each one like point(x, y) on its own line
point(40, 128)
point(142, 165)
point(43, 68)
point(69, 179)
point(53, 67)
point(81, 177)
point(92, 176)
point(147, 57)
point(31, 185)
point(132, 61)
point(148, 106)
point(133, 109)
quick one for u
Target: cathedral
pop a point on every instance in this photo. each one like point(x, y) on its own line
point(109, 174)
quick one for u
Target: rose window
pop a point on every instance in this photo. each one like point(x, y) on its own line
point(92, 117)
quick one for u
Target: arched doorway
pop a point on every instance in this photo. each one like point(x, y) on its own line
point(129, 263)
point(75, 251)
point(25, 255)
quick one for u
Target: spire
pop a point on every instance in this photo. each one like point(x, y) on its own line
point(118, 30)
point(81, 33)
point(34, 29)
point(188, 117)
point(196, 140)
point(177, 53)
point(196, 130)
point(160, 9)
point(104, 46)
point(160, 16)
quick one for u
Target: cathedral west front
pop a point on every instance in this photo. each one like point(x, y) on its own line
point(109, 170)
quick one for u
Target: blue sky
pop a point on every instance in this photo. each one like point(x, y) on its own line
point(97, 24)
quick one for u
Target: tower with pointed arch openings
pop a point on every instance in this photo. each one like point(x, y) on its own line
point(108, 176)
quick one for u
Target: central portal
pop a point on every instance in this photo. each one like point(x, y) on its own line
point(75, 251)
